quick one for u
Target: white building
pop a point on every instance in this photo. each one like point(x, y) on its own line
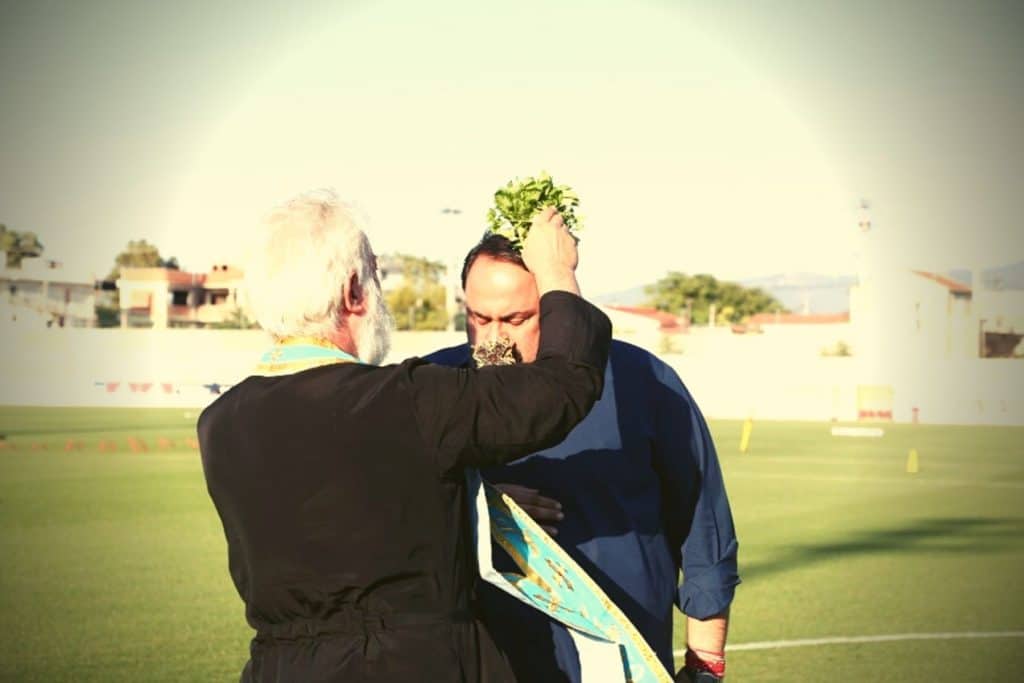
point(162, 297)
point(47, 292)
point(913, 313)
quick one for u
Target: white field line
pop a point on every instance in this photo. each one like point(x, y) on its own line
point(911, 479)
point(843, 640)
point(852, 461)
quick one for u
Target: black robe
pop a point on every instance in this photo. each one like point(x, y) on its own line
point(342, 494)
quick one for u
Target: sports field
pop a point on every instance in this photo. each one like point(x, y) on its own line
point(113, 566)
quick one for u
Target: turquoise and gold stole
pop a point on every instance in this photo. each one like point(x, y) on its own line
point(296, 354)
point(609, 646)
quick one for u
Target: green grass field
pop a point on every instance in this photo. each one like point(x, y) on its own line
point(113, 565)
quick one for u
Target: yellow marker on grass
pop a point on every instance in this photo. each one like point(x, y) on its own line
point(748, 426)
point(912, 464)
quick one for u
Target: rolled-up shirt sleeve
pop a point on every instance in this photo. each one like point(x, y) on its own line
point(698, 518)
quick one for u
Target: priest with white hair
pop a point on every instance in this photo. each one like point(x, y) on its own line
point(340, 483)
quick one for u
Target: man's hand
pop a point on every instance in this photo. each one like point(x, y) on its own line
point(544, 511)
point(687, 676)
point(549, 252)
point(705, 665)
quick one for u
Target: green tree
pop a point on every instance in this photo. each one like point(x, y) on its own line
point(140, 254)
point(136, 254)
point(419, 271)
point(419, 303)
point(677, 291)
point(18, 245)
point(236, 320)
point(108, 316)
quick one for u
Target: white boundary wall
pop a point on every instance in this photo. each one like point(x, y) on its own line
point(765, 376)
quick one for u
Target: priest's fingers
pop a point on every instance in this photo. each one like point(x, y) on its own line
point(550, 253)
point(541, 508)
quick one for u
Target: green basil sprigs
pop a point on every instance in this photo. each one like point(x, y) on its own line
point(518, 202)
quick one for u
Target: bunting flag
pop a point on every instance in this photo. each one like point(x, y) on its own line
point(152, 387)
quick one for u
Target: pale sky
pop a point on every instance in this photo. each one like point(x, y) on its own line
point(730, 137)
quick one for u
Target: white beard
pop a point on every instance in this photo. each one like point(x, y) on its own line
point(374, 339)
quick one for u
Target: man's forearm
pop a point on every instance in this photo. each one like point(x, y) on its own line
point(707, 634)
point(705, 645)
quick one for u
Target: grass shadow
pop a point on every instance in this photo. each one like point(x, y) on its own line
point(971, 535)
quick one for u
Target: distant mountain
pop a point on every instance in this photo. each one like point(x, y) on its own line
point(799, 281)
point(1003, 277)
point(634, 296)
point(821, 293)
point(810, 292)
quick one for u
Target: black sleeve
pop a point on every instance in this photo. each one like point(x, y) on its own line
point(491, 415)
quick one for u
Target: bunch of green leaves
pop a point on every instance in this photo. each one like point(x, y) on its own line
point(518, 202)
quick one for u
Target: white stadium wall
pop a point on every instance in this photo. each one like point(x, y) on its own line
point(775, 375)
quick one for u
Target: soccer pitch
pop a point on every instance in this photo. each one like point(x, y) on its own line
point(113, 565)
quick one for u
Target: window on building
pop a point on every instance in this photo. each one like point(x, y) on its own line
point(218, 297)
point(179, 298)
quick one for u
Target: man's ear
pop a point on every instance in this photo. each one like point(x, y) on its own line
point(354, 296)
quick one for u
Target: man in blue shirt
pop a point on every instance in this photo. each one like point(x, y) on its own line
point(634, 494)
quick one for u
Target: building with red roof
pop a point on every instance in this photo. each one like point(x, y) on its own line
point(164, 297)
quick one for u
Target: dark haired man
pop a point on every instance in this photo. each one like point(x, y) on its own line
point(634, 494)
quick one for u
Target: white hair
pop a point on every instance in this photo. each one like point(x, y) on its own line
point(373, 341)
point(306, 251)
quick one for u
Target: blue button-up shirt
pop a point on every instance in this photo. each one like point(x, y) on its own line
point(643, 498)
